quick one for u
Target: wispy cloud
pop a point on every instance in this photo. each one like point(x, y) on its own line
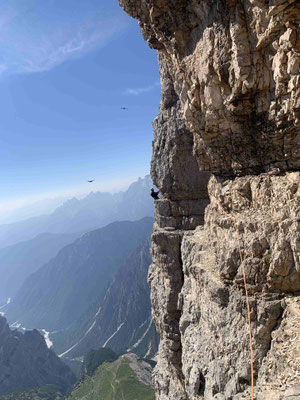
point(46, 33)
point(141, 90)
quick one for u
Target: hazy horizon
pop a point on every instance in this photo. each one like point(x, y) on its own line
point(46, 204)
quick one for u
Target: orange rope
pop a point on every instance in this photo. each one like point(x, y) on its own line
point(247, 298)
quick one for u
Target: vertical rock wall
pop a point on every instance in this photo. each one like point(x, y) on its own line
point(226, 157)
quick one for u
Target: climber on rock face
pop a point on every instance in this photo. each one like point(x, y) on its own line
point(154, 194)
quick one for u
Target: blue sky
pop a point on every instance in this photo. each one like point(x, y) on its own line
point(66, 69)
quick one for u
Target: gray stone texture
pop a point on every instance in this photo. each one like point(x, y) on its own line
point(226, 159)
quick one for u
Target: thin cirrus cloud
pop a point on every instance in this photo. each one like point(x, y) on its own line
point(141, 90)
point(41, 35)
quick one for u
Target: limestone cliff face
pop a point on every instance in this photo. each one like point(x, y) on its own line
point(226, 158)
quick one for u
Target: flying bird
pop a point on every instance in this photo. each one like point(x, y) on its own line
point(124, 108)
point(91, 181)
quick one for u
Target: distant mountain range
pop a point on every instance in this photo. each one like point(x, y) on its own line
point(66, 290)
point(80, 216)
point(18, 261)
point(29, 210)
point(86, 290)
point(26, 362)
point(123, 319)
point(93, 293)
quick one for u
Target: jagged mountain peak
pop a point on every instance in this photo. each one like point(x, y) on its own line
point(82, 215)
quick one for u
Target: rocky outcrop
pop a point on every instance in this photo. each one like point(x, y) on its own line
point(226, 158)
point(26, 362)
point(234, 66)
point(213, 319)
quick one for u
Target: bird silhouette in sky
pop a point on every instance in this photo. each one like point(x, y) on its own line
point(124, 108)
point(91, 181)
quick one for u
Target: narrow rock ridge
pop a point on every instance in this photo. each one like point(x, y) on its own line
point(226, 158)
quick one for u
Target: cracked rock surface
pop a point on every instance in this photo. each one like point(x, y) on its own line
point(226, 158)
point(234, 65)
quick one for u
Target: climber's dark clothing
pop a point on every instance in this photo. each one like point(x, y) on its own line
point(154, 194)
